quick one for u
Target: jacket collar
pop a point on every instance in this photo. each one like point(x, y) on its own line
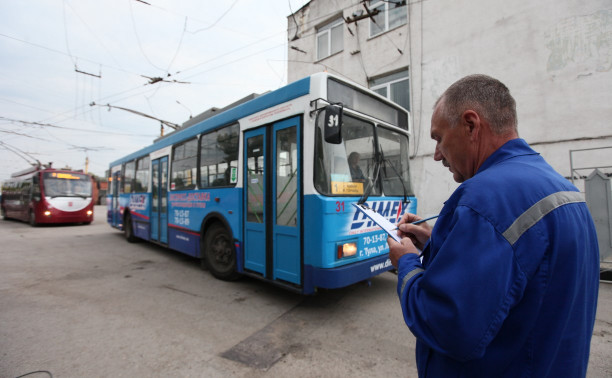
point(512, 148)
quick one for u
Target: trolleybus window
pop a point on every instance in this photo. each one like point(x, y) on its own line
point(394, 169)
point(128, 176)
point(59, 184)
point(367, 104)
point(141, 183)
point(350, 167)
point(255, 182)
point(286, 177)
point(219, 157)
point(184, 165)
point(337, 164)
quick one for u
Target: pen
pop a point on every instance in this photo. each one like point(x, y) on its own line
point(420, 221)
point(426, 219)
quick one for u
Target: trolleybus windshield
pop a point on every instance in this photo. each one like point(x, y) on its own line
point(368, 155)
point(64, 184)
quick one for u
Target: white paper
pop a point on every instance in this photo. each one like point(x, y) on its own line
point(381, 221)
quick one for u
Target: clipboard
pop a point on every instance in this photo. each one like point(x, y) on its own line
point(381, 221)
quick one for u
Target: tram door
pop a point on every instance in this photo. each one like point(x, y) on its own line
point(272, 200)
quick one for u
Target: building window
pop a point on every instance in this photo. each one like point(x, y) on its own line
point(394, 87)
point(330, 39)
point(391, 14)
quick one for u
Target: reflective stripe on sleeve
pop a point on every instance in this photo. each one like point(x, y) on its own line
point(408, 276)
point(536, 212)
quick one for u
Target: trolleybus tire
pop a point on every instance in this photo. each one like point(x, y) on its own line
point(219, 253)
point(128, 229)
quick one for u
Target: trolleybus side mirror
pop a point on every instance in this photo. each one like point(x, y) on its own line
point(332, 116)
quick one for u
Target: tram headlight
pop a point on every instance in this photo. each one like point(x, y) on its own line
point(89, 213)
point(47, 213)
point(347, 249)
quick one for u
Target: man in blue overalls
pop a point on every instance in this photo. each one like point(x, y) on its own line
point(506, 282)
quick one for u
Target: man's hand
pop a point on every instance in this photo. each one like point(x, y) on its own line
point(413, 237)
point(397, 250)
point(418, 233)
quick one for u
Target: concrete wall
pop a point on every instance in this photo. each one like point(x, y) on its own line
point(555, 56)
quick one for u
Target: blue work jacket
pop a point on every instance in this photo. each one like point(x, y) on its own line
point(508, 282)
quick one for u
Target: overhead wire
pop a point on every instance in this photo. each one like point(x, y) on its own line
point(66, 33)
point(81, 89)
point(216, 21)
point(86, 24)
point(69, 128)
point(18, 152)
point(144, 54)
point(68, 55)
point(113, 96)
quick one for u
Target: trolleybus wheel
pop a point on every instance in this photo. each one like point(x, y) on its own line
point(32, 219)
point(128, 229)
point(219, 253)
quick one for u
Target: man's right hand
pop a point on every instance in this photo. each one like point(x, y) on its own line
point(418, 233)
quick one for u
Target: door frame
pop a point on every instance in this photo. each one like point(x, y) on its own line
point(265, 242)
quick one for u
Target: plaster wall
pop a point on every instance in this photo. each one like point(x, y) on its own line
point(555, 56)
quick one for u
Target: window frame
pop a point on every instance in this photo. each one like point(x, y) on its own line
point(124, 181)
point(174, 160)
point(218, 162)
point(388, 83)
point(147, 184)
point(373, 4)
point(326, 29)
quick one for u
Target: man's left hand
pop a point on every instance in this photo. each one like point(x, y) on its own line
point(397, 250)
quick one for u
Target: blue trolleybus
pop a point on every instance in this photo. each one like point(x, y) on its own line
point(265, 188)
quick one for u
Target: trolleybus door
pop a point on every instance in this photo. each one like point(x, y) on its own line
point(115, 211)
point(272, 199)
point(159, 200)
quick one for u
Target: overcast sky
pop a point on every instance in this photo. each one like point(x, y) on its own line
point(211, 53)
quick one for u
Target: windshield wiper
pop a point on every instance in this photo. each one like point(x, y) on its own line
point(370, 183)
point(384, 161)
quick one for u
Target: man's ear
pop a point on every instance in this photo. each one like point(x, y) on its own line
point(472, 122)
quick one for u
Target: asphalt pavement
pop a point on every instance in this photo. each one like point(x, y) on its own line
point(79, 301)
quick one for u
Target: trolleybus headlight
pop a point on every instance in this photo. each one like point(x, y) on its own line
point(47, 213)
point(347, 249)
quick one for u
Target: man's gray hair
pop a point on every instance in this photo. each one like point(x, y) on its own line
point(487, 96)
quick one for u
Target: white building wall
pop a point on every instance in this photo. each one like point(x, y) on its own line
point(555, 56)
